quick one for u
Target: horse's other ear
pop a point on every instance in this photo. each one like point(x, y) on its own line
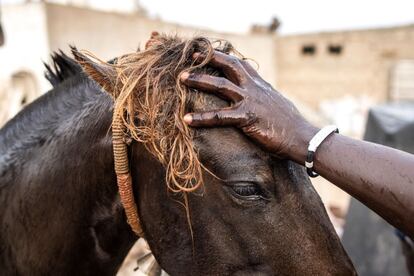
point(101, 72)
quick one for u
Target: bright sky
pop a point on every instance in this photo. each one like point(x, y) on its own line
point(297, 16)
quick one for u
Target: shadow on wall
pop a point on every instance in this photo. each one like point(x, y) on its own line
point(21, 90)
point(1, 32)
point(1, 35)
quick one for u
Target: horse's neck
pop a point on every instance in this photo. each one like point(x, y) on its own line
point(59, 194)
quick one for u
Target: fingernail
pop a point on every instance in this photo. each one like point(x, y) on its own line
point(188, 119)
point(184, 75)
point(196, 55)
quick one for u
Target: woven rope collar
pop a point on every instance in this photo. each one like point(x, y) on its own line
point(123, 175)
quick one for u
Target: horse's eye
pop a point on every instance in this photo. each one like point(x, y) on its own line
point(249, 191)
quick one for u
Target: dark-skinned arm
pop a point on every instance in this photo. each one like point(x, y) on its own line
point(380, 177)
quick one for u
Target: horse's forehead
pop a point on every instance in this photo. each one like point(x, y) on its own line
point(231, 155)
point(204, 102)
point(231, 151)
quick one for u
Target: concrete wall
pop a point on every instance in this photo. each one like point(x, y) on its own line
point(112, 34)
point(26, 40)
point(402, 80)
point(362, 69)
point(22, 54)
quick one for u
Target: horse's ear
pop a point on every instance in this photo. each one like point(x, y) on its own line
point(104, 74)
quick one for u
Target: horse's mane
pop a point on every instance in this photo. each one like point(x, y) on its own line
point(61, 68)
point(35, 124)
point(152, 101)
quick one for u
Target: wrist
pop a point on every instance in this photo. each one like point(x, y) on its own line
point(299, 146)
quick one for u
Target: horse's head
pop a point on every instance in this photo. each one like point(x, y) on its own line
point(212, 202)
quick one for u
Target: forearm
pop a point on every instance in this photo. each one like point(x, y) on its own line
point(380, 177)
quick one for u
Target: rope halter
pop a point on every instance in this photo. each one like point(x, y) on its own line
point(123, 175)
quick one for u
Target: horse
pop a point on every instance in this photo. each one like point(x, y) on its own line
point(61, 213)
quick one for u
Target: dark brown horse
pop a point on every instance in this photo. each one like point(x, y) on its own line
point(61, 214)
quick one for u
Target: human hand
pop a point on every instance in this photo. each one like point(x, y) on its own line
point(257, 109)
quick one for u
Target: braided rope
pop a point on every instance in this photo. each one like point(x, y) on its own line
point(123, 176)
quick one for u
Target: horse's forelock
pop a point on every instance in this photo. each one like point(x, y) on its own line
point(148, 88)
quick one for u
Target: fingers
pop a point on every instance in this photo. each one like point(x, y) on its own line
point(220, 117)
point(219, 86)
point(249, 69)
point(254, 74)
point(230, 65)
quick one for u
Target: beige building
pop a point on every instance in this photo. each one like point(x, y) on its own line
point(327, 66)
